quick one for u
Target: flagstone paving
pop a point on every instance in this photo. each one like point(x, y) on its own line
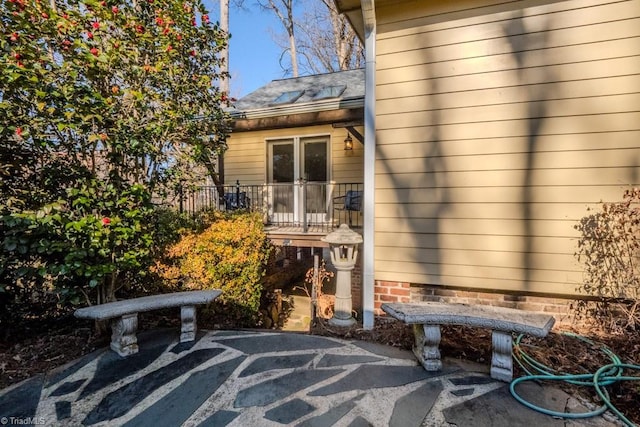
point(239, 378)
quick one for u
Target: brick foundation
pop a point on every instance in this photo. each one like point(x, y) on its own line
point(406, 292)
point(390, 292)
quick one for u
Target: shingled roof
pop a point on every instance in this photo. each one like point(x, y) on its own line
point(320, 92)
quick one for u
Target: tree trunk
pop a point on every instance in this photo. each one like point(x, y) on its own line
point(292, 40)
point(208, 162)
point(284, 12)
point(224, 54)
point(294, 54)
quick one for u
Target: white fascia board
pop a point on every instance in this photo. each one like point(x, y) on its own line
point(307, 107)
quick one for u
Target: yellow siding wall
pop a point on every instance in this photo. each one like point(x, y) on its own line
point(497, 126)
point(246, 157)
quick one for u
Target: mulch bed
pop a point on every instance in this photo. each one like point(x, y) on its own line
point(35, 348)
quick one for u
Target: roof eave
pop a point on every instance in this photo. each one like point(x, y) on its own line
point(353, 12)
point(300, 108)
point(298, 120)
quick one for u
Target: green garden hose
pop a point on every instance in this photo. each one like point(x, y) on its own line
point(605, 376)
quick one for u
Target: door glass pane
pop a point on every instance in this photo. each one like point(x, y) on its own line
point(281, 172)
point(315, 161)
point(315, 172)
point(282, 163)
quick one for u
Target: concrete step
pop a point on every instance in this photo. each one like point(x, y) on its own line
point(300, 318)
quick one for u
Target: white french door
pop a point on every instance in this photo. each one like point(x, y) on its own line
point(298, 167)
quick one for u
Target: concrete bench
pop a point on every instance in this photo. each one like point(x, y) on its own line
point(124, 315)
point(426, 319)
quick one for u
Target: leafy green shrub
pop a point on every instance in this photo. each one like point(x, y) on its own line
point(169, 226)
point(101, 105)
point(230, 254)
point(609, 248)
point(79, 244)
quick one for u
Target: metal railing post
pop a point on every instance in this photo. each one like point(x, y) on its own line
point(237, 194)
point(305, 224)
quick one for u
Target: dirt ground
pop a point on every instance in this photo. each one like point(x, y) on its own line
point(31, 349)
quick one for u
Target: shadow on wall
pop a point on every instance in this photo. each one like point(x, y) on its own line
point(434, 186)
point(527, 46)
point(546, 112)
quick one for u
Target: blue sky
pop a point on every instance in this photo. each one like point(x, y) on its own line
point(253, 55)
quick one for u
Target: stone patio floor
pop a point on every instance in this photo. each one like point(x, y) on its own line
point(242, 378)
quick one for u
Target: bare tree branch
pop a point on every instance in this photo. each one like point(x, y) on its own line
point(284, 11)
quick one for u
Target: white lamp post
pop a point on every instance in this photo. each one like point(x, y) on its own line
point(343, 245)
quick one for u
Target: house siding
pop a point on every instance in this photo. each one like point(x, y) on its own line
point(498, 125)
point(246, 157)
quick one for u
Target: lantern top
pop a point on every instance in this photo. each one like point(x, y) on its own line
point(342, 236)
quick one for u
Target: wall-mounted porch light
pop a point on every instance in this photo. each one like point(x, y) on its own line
point(348, 143)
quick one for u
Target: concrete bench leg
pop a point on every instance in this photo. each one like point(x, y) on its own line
point(189, 327)
point(123, 335)
point(501, 360)
point(426, 347)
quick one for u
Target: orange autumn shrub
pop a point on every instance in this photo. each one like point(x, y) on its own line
point(231, 255)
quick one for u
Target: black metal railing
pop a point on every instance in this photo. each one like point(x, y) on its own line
point(311, 206)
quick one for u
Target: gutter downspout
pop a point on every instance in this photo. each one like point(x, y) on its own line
point(368, 280)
